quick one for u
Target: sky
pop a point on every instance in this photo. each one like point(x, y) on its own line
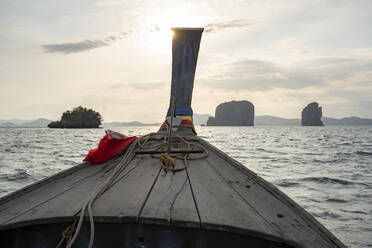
point(115, 56)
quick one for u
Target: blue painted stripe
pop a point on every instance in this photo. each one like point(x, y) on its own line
point(181, 110)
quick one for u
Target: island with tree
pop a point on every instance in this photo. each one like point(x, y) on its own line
point(79, 117)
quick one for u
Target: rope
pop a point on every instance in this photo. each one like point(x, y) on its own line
point(67, 234)
point(165, 161)
point(128, 156)
point(165, 158)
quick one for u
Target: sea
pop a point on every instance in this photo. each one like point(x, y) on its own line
point(327, 170)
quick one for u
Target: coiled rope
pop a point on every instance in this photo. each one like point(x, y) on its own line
point(165, 161)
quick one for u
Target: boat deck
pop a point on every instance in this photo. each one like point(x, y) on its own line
point(214, 193)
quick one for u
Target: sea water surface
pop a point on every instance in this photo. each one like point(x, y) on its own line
point(327, 170)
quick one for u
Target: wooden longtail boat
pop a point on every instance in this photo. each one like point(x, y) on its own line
point(191, 195)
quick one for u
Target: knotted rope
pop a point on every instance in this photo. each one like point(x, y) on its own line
point(165, 160)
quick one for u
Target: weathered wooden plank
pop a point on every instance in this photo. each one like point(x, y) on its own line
point(126, 198)
point(284, 216)
point(171, 201)
point(66, 203)
point(43, 192)
point(220, 207)
point(184, 131)
point(172, 151)
point(37, 188)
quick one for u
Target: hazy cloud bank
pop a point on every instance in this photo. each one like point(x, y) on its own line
point(218, 26)
point(139, 85)
point(213, 27)
point(89, 44)
point(248, 74)
point(75, 47)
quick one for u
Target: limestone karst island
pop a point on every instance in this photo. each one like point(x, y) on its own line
point(79, 117)
point(241, 113)
point(311, 115)
point(234, 113)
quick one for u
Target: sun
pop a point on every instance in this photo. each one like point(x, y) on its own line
point(159, 38)
point(158, 32)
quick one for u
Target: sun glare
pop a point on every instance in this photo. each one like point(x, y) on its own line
point(159, 38)
point(158, 32)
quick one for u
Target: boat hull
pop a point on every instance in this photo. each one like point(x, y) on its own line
point(132, 235)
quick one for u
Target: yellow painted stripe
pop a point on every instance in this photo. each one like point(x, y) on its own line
point(184, 117)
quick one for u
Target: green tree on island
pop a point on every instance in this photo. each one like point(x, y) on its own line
point(79, 117)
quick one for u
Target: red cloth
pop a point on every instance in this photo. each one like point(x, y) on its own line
point(183, 123)
point(108, 148)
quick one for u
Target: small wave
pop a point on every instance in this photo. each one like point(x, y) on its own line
point(283, 183)
point(330, 215)
point(363, 153)
point(326, 180)
point(9, 150)
point(21, 175)
point(353, 211)
point(336, 200)
point(329, 161)
point(311, 153)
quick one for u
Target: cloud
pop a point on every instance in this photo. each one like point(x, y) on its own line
point(140, 85)
point(74, 47)
point(215, 27)
point(80, 46)
point(247, 74)
point(89, 44)
point(153, 29)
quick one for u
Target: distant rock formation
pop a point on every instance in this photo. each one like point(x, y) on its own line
point(268, 120)
point(311, 115)
point(200, 119)
point(347, 121)
point(41, 122)
point(234, 113)
point(8, 124)
point(128, 124)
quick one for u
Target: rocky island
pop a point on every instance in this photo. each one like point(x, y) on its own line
point(79, 117)
point(234, 113)
point(311, 115)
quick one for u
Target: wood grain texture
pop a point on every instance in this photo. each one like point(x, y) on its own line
point(171, 201)
point(60, 198)
point(48, 192)
point(126, 198)
point(220, 207)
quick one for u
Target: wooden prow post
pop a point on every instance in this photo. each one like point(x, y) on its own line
point(185, 49)
point(171, 125)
